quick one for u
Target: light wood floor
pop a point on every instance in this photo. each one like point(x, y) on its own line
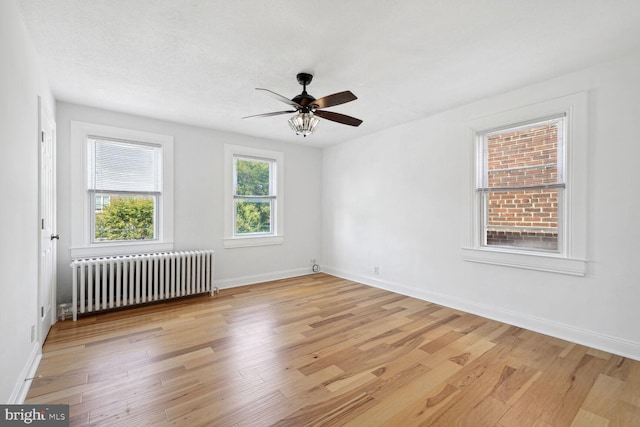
point(324, 351)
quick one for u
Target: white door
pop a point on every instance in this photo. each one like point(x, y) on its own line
point(48, 237)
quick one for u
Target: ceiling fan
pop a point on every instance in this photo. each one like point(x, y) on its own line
point(308, 108)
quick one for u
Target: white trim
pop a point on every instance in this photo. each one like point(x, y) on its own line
point(570, 333)
point(259, 278)
point(526, 260)
point(244, 242)
point(275, 238)
point(81, 245)
point(572, 259)
point(122, 248)
point(21, 388)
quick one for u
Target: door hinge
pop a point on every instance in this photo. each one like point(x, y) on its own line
point(42, 224)
point(42, 311)
point(41, 136)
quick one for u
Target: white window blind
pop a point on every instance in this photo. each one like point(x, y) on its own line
point(123, 166)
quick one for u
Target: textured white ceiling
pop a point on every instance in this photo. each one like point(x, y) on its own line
point(198, 61)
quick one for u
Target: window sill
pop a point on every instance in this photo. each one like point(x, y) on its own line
point(115, 249)
point(243, 242)
point(526, 260)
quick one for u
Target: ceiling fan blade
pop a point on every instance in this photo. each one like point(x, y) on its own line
point(337, 117)
point(280, 97)
point(276, 113)
point(335, 99)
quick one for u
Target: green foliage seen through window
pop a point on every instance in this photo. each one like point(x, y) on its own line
point(252, 179)
point(126, 218)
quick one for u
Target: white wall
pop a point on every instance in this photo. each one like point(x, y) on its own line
point(21, 83)
point(199, 199)
point(399, 200)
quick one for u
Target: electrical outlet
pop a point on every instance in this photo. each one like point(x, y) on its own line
point(376, 270)
point(314, 266)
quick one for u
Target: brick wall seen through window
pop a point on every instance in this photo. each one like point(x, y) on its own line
point(523, 186)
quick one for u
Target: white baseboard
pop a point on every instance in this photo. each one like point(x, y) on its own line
point(574, 334)
point(22, 385)
point(258, 278)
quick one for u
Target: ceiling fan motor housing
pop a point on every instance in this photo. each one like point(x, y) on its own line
point(304, 99)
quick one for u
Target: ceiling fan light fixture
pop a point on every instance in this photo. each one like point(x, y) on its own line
point(309, 108)
point(303, 123)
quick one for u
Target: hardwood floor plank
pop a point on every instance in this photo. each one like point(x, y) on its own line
point(558, 394)
point(319, 350)
point(335, 411)
point(603, 396)
point(589, 419)
point(625, 414)
point(405, 396)
point(514, 383)
point(485, 413)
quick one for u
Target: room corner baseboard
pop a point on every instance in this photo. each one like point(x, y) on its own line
point(258, 278)
point(23, 384)
point(573, 334)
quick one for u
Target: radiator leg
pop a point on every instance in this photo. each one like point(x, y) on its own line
point(74, 294)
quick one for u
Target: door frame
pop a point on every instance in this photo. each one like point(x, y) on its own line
point(46, 123)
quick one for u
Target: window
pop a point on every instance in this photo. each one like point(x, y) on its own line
point(122, 191)
point(528, 206)
point(102, 201)
point(128, 175)
point(521, 184)
point(254, 196)
point(253, 213)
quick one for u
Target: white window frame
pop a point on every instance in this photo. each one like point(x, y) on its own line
point(272, 196)
point(82, 244)
point(571, 256)
point(482, 141)
point(276, 236)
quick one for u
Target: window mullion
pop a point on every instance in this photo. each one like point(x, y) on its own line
point(254, 197)
point(522, 188)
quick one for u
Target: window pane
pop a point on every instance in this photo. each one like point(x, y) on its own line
point(526, 156)
point(123, 166)
point(124, 217)
point(523, 219)
point(252, 178)
point(521, 184)
point(253, 216)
